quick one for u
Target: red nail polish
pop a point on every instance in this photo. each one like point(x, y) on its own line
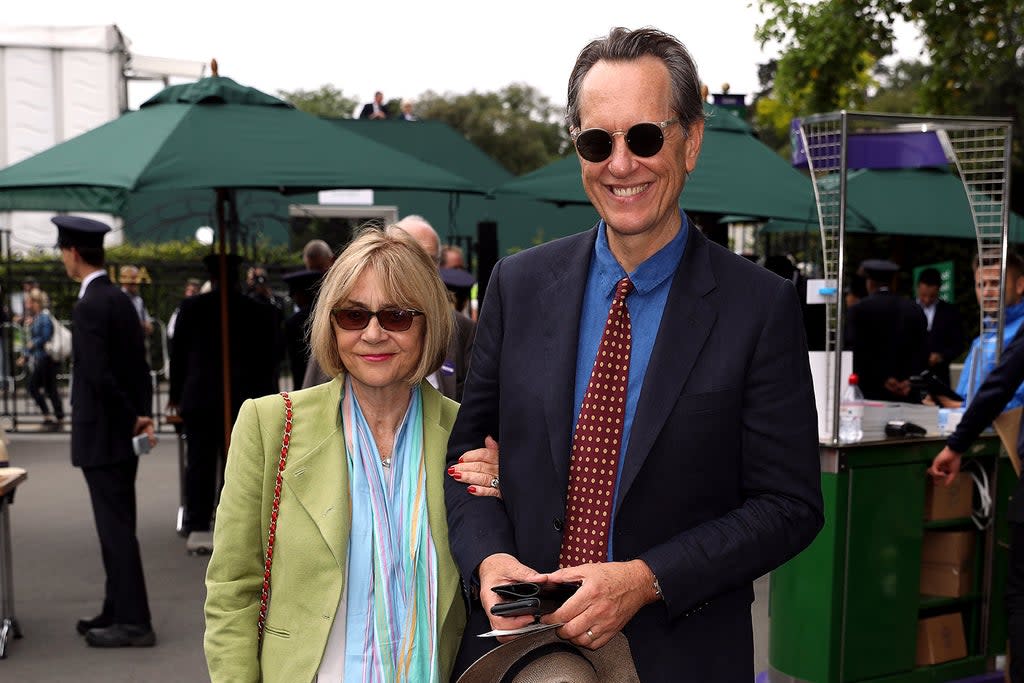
point(471, 489)
point(451, 470)
point(460, 459)
point(457, 475)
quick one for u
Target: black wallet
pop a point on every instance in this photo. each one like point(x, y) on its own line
point(531, 598)
point(903, 428)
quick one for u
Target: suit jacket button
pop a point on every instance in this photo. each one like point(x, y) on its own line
point(557, 523)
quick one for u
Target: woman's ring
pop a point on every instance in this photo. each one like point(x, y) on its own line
point(494, 483)
point(590, 634)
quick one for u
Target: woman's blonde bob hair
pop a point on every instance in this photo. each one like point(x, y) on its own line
point(410, 280)
point(38, 296)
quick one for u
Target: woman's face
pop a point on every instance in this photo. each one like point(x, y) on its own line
point(374, 357)
point(32, 305)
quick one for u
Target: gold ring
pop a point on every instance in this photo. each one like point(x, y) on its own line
point(591, 634)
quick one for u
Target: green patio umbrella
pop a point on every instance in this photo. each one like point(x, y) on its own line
point(929, 202)
point(920, 202)
point(736, 174)
point(211, 134)
point(217, 135)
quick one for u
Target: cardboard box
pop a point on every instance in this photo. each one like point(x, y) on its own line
point(949, 502)
point(945, 580)
point(940, 639)
point(948, 547)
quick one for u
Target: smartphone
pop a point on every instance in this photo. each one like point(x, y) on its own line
point(140, 444)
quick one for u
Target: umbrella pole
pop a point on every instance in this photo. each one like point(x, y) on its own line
point(225, 346)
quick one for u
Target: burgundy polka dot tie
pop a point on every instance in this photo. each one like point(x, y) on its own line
point(597, 441)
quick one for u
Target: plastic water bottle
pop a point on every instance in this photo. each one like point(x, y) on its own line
point(851, 413)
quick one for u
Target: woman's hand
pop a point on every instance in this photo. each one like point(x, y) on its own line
point(478, 469)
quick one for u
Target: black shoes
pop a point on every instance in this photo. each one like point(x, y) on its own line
point(121, 635)
point(84, 625)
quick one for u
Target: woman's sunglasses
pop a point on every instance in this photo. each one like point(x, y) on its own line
point(391, 319)
point(643, 140)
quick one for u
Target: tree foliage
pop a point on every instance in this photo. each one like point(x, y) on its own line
point(516, 126)
point(832, 54)
point(976, 66)
point(830, 49)
point(325, 101)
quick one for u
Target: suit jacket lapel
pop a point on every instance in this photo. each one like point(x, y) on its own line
point(560, 303)
point(435, 440)
point(685, 326)
point(317, 469)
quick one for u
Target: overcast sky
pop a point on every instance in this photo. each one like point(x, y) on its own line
point(403, 47)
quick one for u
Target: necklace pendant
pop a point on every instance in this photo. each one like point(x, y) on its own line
point(386, 462)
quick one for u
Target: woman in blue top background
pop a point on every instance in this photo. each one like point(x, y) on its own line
point(42, 378)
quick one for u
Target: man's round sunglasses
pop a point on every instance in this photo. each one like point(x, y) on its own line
point(391, 319)
point(643, 140)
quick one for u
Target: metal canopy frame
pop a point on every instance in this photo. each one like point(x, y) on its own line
point(976, 148)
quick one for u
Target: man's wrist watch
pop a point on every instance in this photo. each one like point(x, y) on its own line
point(657, 589)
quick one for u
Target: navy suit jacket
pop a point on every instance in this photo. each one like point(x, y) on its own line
point(367, 111)
point(111, 386)
point(197, 369)
point(720, 482)
point(887, 334)
point(946, 337)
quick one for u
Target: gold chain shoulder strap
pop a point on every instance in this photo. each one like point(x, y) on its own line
point(272, 530)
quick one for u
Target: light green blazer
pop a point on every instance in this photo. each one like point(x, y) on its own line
point(311, 547)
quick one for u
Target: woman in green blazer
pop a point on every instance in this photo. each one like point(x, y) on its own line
point(362, 583)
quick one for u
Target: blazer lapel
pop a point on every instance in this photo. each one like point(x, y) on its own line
point(561, 301)
point(435, 440)
point(317, 468)
point(685, 326)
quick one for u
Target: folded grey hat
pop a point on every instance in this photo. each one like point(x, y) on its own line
point(543, 657)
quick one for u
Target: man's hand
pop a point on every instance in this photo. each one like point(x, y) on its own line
point(610, 595)
point(145, 424)
point(945, 466)
point(499, 569)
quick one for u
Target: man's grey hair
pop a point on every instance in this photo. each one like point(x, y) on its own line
point(624, 45)
point(317, 255)
point(415, 224)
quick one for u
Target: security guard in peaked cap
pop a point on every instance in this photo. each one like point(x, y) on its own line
point(887, 334)
point(879, 270)
point(457, 278)
point(78, 231)
point(111, 399)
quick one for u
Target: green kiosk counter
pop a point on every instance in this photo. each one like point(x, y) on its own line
point(850, 607)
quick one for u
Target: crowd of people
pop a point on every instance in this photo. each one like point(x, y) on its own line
point(378, 110)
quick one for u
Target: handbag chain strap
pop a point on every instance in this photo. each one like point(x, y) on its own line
point(272, 530)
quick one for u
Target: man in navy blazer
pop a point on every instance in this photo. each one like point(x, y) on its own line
point(376, 109)
point(945, 339)
point(718, 481)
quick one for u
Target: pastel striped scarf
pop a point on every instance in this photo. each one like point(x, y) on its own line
point(392, 565)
